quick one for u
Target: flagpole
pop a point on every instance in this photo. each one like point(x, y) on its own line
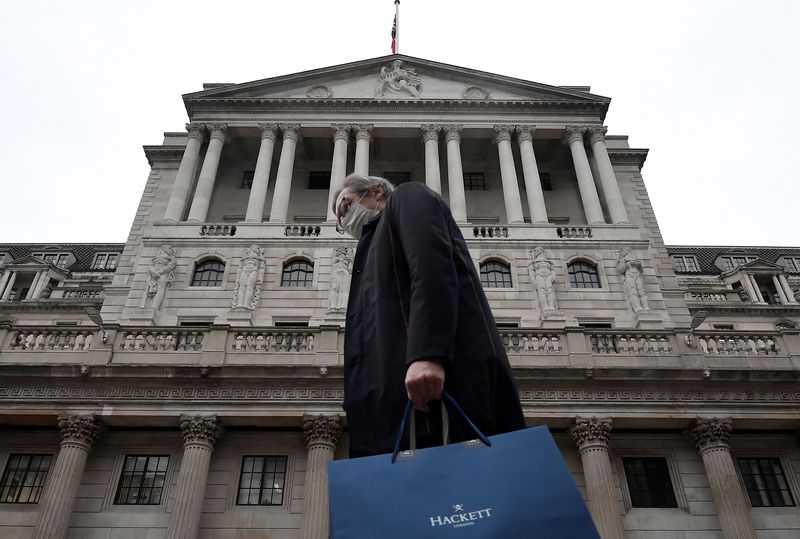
point(397, 26)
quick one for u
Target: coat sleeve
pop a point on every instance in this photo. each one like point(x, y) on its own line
point(420, 219)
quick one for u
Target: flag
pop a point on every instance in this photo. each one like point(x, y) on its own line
point(394, 35)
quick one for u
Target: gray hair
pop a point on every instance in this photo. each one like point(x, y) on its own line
point(356, 183)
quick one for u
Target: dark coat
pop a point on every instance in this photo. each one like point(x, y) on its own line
point(412, 264)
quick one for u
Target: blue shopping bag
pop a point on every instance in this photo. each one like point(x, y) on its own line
point(512, 485)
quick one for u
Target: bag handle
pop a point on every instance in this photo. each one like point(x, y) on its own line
point(412, 433)
point(450, 400)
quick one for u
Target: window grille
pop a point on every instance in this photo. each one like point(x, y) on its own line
point(262, 481)
point(24, 477)
point(298, 274)
point(765, 482)
point(320, 179)
point(649, 483)
point(474, 181)
point(495, 274)
point(583, 275)
point(142, 480)
point(105, 261)
point(208, 273)
point(247, 179)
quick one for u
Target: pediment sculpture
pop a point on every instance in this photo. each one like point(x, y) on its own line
point(398, 77)
point(249, 278)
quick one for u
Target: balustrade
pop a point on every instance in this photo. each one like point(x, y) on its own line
point(218, 230)
point(738, 345)
point(52, 339)
point(633, 344)
point(490, 231)
point(154, 340)
point(707, 296)
point(302, 230)
point(570, 232)
point(528, 342)
point(273, 341)
point(83, 294)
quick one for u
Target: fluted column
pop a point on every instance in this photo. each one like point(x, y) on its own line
point(78, 435)
point(183, 180)
point(779, 289)
point(208, 174)
point(455, 173)
point(608, 180)
point(322, 434)
point(363, 138)
point(758, 297)
point(784, 284)
point(283, 181)
point(258, 191)
point(4, 281)
point(200, 435)
point(430, 137)
point(573, 137)
point(41, 284)
point(591, 436)
point(533, 185)
point(508, 173)
point(9, 286)
point(711, 436)
point(341, 133)
point(34, 286)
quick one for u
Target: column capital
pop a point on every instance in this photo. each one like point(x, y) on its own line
point(710, 432)
point(453, 132)
point(592, 431)
point(525, 132)
point(268, 131)
point(363, 131)
point(83, 429)
point(196, 131)
point(217, 131)
point(322, 430)
point(201, 429)
point(573, 133)
point(341, 131)
point(597, 134)
point(291, 131)
point(430, 132)
point(503, 132)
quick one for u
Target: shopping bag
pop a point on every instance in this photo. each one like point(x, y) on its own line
point(512, 485)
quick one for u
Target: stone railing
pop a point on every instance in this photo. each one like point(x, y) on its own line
point(153, 340)
point(570, 232)
point(531, 342)
point(719, 344)
point(51, 339)
point(490, 232)
point(273, 341)
point(83, 294)
point(303, 231)
point(707, 296)
point(218, 230)
point(630, 343)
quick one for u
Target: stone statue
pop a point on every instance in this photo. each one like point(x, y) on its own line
point(159, 277)
point(631, 271)
point(542, 273)
point(249, 278)
point(340, 280)
point(399, 78)
point(743, 295)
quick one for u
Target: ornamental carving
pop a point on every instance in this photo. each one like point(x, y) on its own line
point(631, 271)
point(597, 134)
point(542, 275)
point(708, 432)
point(594, 430)
point(341, 131)
point(268, 131)
point(80, 428)
point(290, 132)
point(196, 131)
point(322, 430)
point(503, 132)
point(398, 77)
point(202, 429)
point(217, 131)
point(573, 134)
point(159, 277)
point(453, 132)
point(363, 131)
point(525, 133)
point(320, 91)
point(340, 280)
point(249, 278)
point(430, 132)
point(475, 92)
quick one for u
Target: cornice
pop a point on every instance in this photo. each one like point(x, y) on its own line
point(628, 156)
point(173, 153)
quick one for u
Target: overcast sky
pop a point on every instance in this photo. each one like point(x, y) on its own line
point(709, 87)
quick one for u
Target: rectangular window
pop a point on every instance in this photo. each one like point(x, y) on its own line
point(105, 261)
point(649, 483)
point(262, 481)
point(790, 263)
point(397, 177)
point(544, 180)
point(723, 327)
point(765, 482)
point(319, 179)
point(24, 477)
point(142, 480)
point(679, 264)
point(247, 179)
point(685, 263)
point(474, 181)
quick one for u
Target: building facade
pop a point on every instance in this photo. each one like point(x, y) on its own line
point(189, 382)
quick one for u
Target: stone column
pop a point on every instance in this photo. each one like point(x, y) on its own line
point(711, 436)
point(455, 174)
point(591, 437)
point(41, 284)
point(573, 137)
point(341, 133)
point(779, 289)
point(208, 174)
point(283, 182)
point(322, 434)
point(430, 137)
point(200, 434)
point(78, 435)
point(533, 185)
point(508, 173)
point(4, 281)
point(748, 286)
point(9, 286)
point(784, 283)
point(363, 138)
point(758, 297)
point(185, 175)
point(258, 191)
point(34, 284)
point(608, 180)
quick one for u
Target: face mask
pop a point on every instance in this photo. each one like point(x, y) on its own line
point(357, 216)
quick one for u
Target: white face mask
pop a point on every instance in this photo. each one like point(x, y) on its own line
point(358, 216)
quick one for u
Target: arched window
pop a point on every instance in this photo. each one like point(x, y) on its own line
point(583, 275)
point(298, 273)
point(208, 273)
point(495, 274)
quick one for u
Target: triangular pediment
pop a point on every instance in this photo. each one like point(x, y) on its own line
point(384, 78)
point(757, 265)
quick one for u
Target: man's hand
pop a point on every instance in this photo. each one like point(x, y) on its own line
point(424, 382)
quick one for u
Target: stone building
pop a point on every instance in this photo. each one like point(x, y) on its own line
point(189, 382)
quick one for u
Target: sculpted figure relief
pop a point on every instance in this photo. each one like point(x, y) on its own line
point(249, 278)
point(398, 77)
point(340, 279)
point(631, 270)
point(159, 277)
point(542, 274)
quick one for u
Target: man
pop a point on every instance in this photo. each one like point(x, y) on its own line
point(418, 321)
